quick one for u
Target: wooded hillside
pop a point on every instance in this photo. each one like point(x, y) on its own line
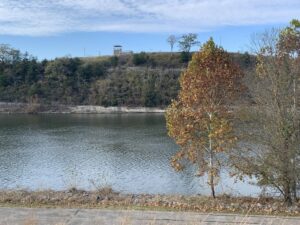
point(143, 79)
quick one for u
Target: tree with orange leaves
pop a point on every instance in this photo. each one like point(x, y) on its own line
point(199, 120)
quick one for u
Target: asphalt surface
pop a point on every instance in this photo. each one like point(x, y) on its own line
point(40, 216)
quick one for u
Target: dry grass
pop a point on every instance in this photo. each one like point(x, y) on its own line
point(106, 197)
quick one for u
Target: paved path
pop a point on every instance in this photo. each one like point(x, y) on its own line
point(25, 216)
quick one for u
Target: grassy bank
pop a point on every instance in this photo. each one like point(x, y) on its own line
point(107, 198)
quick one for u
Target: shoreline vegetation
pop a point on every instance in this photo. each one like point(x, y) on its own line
point(33, 108)
point(108, 198)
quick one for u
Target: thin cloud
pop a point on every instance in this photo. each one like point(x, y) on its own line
point(51, 17)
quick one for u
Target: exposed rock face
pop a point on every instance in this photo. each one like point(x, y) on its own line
point(101, 109)
point(83, 109)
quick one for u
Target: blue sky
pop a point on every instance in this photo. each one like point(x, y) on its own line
point(54, 28)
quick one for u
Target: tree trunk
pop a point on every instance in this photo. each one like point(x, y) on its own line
point(212, 186)
point(288, 186)
point(295, 198)
point(294, 180)
point(288, 170)
point(211, 164)
point(295, 92)
point(211, 173)
point(287, 196)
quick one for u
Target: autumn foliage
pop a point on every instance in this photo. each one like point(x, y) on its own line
point(274, 160)
point(199, 120)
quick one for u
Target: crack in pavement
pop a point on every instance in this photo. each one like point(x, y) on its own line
point(68, 222)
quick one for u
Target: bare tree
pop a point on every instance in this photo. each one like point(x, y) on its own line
point(172, 41)
point(271, 148)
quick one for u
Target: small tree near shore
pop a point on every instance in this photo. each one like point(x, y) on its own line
point(199, 120)
point(273, 127)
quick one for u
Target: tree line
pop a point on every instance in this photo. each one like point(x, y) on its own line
point(141, 79)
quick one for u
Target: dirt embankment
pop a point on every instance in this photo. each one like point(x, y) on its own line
point(107, 198)
point(83, 109)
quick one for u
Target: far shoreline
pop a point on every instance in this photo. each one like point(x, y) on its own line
point(27, 108)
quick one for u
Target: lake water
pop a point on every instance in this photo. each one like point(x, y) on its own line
point(130, 152)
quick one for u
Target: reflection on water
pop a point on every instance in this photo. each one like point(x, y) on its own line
point(130, 152)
